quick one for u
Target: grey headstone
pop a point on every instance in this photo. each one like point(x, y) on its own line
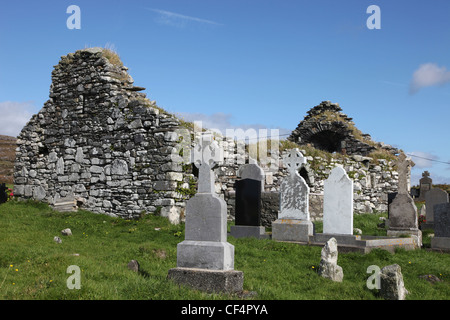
point(205, 245)
point(403, 219)
point(442, 220)
point(403, 213)
point(205, 260)
point(425, 185)
point(433, 197)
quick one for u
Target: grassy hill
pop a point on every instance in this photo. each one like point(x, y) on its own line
point(7, 157)
point(33, 266)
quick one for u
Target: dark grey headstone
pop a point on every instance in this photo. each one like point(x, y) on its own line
point(248, 202)
point(3, 195)
point(442, 220)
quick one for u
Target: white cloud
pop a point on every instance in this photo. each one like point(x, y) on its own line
point(14, 116)
point(427, 75)
point(426, 161)
point(422, 159)
point(178, 20)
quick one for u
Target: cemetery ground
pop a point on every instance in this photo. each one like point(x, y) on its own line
point(34, 267)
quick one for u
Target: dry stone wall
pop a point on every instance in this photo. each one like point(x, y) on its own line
point(100, 140)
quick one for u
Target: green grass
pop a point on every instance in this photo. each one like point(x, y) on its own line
point(33, 266)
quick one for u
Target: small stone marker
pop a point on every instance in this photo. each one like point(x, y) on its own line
point(403, 219)
point(205, 260)
point(328, 267)
point(338, 203)
point(133, 265)
point(293, 223)
point(441, 239)
point(57, 239)
point(66, 232)
point(248, 202)
point(392, 286)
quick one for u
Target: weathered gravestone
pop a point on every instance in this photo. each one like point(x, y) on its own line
point(293, 223)
point(3, 195)
point(425, 185)
point(248, 202)
point(338, 203)
point(205, 260)
point(403, 218)
point(441, 239)
point(433, 197)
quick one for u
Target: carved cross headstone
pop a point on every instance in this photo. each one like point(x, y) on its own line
point(294, 191)
point(404, 165)
point(402, 210)
point(294, 161)
point(425, 184)
point(293, 223)
point(205, 260)
point(206, 216)
point(206, 155)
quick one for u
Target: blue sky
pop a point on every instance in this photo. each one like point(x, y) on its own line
point(248, 63)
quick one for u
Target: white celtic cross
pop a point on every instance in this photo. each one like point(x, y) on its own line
point(294, 161)
point(206, 155)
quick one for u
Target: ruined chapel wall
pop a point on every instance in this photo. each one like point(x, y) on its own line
point(98, 139)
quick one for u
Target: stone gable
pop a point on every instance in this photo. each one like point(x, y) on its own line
point(101, 141)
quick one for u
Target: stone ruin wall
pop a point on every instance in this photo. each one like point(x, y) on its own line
point(373, 180)
point(99, 140)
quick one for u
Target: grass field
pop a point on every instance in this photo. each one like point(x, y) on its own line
point(33, 266)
